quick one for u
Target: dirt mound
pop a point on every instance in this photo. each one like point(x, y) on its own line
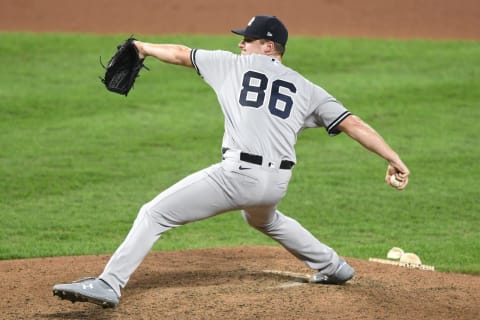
point(238, 283)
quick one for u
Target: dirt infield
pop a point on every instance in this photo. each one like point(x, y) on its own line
point(231, 283)
point(379, 18)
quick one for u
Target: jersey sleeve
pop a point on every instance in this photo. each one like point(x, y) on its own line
point(328, 112)
point(212, 66)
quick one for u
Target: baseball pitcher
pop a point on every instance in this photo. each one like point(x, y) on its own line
point(265, 105)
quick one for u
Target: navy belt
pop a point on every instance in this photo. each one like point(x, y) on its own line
point(256, 159)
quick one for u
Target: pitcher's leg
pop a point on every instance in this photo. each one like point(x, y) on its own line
point(132, 251)
point(294, 237)
point(193, 198)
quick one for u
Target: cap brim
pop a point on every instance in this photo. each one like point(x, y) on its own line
point(244, 33)
point(240, 32)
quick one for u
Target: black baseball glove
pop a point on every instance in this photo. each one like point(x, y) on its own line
point(123, 68)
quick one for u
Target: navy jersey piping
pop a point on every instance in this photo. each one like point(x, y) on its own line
point(194, 63)
point(331, 128)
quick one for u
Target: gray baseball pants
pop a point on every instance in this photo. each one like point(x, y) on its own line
point(226, 186)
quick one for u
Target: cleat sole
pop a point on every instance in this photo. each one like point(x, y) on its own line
point(76, 297)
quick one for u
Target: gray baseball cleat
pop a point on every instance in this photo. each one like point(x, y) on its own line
point(343, 273)
point(92, 290)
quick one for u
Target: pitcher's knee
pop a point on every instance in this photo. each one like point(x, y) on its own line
point(260, 221)
point(145, 210)
point(154, 214)
point(249, 219)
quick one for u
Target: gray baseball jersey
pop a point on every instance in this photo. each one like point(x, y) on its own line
point(265, 105)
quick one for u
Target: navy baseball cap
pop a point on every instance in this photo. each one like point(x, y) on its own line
point(265, 27)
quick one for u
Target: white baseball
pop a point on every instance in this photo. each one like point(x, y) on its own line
point(394, 182)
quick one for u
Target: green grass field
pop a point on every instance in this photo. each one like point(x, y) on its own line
point(77, 162)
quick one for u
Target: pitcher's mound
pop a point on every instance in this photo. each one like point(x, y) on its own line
point(238, 283)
